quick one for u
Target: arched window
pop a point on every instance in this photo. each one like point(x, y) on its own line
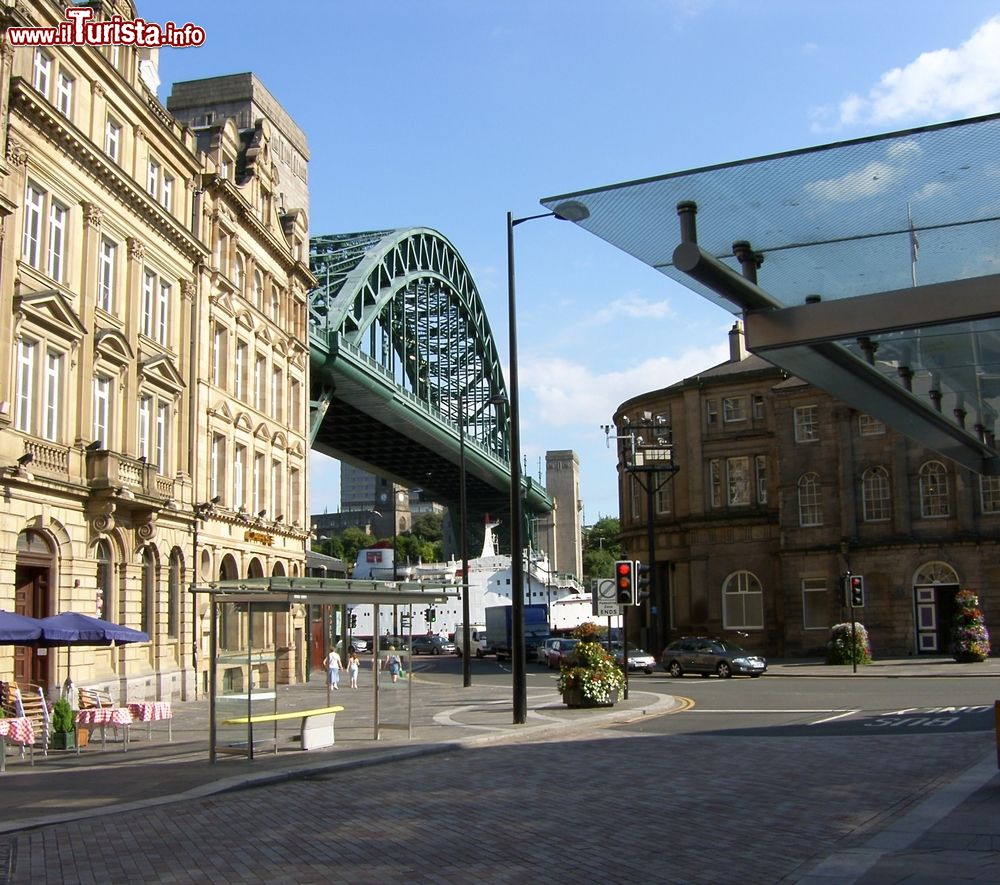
point(742, 602)
point(174, 594)
point(875, 495)
point(240, 275)
point(934, 490)
point(104, 603)
point(147, 615)
point(810, 505)
point(258, 290)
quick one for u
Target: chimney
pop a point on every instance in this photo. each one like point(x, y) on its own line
point(737, 352)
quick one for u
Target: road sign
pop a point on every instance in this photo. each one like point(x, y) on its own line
point(606, 598)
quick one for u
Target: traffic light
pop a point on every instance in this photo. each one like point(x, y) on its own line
point(429, 615)
point(625, 582)
point(354, 620)
point(642, 580)
point(857, 590)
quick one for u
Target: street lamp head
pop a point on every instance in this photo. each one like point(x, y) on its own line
point(571, 210)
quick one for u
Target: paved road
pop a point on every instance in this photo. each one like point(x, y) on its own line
point(594, 798)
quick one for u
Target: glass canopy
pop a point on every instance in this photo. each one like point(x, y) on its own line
point(896, 237)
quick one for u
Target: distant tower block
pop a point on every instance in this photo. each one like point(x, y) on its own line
point(561, 536)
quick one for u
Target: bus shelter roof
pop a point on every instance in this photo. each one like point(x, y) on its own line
point(328, 591)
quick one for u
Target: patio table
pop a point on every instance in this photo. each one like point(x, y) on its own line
point(104, 716)
point(18, 730)
point(151, 712)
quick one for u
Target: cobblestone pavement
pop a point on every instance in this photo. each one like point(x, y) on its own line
point(565, 799)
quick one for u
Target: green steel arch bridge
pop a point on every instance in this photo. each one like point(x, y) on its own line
point(401, 353)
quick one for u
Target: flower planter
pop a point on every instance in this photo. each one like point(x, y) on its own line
point(574, 697)
point(969, 657)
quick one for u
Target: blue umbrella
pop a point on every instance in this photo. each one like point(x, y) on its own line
point(18, 630)
point(73, 628)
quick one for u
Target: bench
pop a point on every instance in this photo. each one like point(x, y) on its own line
point(316, 730)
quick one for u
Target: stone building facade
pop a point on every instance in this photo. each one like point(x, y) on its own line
point(122, 403)
point(781, 490)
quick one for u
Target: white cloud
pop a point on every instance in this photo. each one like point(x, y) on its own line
point(634, 306)
point(855, 185)
point(566, 393)
point(938, 85)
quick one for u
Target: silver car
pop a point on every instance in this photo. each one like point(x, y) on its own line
point(543, 648)
point(699, 654)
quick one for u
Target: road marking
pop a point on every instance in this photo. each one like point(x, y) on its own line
point(832, 718)
point(779, 711)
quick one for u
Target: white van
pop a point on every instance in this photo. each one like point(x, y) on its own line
point(477, 639)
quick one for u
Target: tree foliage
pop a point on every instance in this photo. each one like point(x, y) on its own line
point(601, 548)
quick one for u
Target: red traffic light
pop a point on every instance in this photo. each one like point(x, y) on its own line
point(624, 585)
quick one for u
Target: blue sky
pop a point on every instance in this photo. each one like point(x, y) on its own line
point(449, 113)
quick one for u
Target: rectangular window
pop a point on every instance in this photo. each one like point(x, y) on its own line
point(217, 467)
point(989, 493)
point(218, 350)
point(167, 198)
point(162, 313)
point(258, 482)
point(277, 394)
point(760, 471)
point(145, 417)
point(64, 94)
point(25, 399)
point(711, 412)
point(162, 429)
point(42, 71)
point(738, 481)
point(57, 241)
point(113, 139)
point(148, 304)
point(259, 388)
point(53, 385)
point(276, 496)
point(239, 470)
point(869, 426)
point(806, 424)
point(814, 604)
point(153, 179)
point(31, 246)
point(715, 482)
point(662, 502)
point(294, 495)
point(102, 411)
point(275, 304)
point(758, 407)
point(635, 496)
point(294, 409)
point(734, 408)
point(106, 279)
point(239, 371)
point(222, 253)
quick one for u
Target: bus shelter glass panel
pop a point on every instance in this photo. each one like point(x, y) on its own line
point(245, 673)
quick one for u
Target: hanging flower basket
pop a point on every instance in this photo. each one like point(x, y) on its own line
point(970, 640)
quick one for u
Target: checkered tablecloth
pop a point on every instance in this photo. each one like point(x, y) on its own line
point(104, 716)
point(151, 712)
point(17, 730)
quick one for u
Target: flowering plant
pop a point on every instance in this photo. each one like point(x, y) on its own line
point(590, 668)
point(970, 641)
point(841, 648)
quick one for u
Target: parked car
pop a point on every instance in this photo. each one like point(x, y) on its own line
point(638, 659)
point(432, 645)
point(542, 651)
point(560, 649)
point(700, 654)
point(360, 646)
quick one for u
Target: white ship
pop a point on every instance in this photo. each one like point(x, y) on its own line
point(489, 584)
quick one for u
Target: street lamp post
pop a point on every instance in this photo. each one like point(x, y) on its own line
point(462, 546)
point(568, 211)
point(201, 511)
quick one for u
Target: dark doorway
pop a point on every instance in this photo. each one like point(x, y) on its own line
point(32, 584)
point(934, 608)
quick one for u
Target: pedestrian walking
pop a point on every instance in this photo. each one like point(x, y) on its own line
point(353, 666)
point(333, 667)
point(392, 663)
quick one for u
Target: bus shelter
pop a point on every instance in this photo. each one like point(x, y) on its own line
point(244, 669)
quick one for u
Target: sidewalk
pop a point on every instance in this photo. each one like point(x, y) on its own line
point(954, 832)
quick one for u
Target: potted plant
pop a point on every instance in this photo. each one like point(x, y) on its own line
point(62, 737)
point(589, 677)
point(970, 641)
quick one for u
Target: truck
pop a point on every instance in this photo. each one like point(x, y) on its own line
point(498, 629)
point(477, 639)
